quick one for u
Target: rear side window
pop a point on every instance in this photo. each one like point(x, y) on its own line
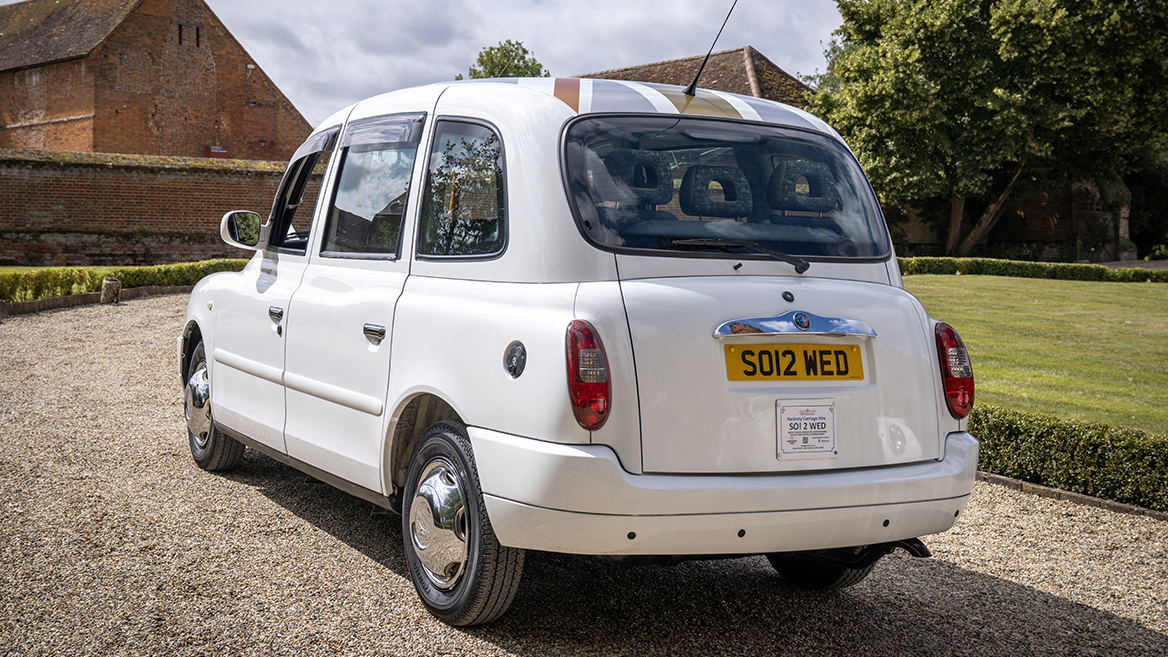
point(719, 188)
point(372, 189)
point(464, 204)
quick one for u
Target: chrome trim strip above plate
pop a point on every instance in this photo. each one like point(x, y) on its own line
point(787, 324)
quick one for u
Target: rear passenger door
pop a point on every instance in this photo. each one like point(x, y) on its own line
point(339, 338)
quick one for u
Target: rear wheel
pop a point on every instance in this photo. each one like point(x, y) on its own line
point(461, 572)
point(811, 575)
point(210, 448)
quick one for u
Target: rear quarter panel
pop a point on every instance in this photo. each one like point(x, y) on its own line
point(450, 337)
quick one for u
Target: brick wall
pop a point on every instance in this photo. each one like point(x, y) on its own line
point(50, 107)
point(97, 209)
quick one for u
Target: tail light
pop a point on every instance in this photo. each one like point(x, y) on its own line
point(956, 371)
point(587, 375)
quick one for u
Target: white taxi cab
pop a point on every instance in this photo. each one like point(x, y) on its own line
point(591, 317)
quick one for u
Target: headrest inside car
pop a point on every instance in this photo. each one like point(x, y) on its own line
point(695, 194)
point(783, 191)
point(643, 175)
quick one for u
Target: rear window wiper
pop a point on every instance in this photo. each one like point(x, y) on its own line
point(798, 263)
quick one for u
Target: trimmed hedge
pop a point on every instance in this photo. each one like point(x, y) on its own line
point(1114, 463)
point(64, 281)
point(1021, 269)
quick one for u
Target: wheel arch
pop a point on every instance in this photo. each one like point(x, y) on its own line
point(413, 416)
point(192, 335)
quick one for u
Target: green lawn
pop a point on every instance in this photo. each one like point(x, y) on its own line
point(1079, 350)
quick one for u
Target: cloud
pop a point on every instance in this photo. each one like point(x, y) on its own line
point(327, 55)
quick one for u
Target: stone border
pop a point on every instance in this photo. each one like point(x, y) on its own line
point(1077, 498)
point(89, 298)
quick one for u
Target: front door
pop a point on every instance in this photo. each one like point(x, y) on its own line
point(247, 358)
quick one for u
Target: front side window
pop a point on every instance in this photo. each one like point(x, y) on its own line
point(719, 188)
point(372, 189)
point(300, 188)
point(464, 208)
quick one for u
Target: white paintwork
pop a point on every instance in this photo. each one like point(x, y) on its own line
point(247, 362)
point(600, 304)
point(539, 528)
point(589, 479)
point(694, 420)
point(269, 373)
point(685, 460)
point(336, 377)
point(450, 337)
point(578, 499)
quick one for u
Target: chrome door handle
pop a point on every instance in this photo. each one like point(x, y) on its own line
point(275, 313)
point(374, 332)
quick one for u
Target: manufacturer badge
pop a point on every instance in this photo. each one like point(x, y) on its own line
point(802, 321)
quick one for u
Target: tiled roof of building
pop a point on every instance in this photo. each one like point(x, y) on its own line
point(37, 32)
point(742, 71)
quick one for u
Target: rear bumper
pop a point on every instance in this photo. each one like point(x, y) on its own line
point(578, 499)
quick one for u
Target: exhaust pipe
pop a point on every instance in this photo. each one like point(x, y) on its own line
point(857, 558)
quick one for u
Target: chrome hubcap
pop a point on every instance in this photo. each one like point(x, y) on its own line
point(198, 405)
point(438, 524)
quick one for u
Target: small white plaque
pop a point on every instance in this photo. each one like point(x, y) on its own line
point(806, 429)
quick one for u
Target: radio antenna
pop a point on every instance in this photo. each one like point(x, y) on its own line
point(693, 86)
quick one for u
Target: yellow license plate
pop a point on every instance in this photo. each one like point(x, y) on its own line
point(793, 362)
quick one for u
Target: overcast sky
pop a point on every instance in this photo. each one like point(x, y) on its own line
point(326, 54)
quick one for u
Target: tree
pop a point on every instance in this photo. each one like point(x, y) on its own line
point(509, 59)
point(958, 98)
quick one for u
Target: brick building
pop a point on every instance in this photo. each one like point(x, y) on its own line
point(742, 71)
point(146, 77)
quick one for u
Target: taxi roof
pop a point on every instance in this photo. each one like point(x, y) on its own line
point(590, 96)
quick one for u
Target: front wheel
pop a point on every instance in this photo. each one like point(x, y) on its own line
point(210, 448)
point(461, 572)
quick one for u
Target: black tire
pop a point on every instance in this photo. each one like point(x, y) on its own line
point(810, 575)
point(211, 450)
point(461, 572)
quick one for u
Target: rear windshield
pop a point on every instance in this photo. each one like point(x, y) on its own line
point(701, 186)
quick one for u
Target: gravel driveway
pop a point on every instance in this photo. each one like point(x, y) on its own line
point(113, 542)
